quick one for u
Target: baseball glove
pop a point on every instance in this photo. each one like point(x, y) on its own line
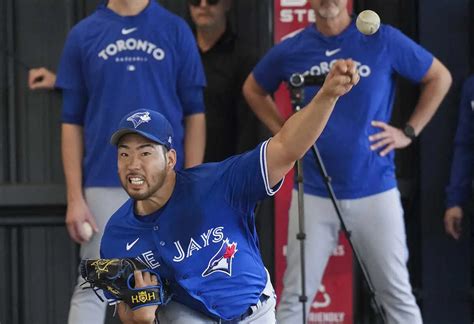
point(115, 277)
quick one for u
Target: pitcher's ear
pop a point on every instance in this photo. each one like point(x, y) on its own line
point(171, 159)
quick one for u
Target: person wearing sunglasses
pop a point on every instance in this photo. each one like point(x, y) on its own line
point(197, 3)
point(231, 127)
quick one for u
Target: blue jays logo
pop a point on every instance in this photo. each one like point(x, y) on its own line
point(139, 118)
point(222, 260)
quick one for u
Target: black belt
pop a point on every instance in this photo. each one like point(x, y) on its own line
point(247, 313)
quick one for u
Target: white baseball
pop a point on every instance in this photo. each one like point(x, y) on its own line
point(86, 231)
point(368, 22)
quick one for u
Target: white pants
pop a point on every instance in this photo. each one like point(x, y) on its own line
point(85, 306)
point(263, 312)
point(378, 234)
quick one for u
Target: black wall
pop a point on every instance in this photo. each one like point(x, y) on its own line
point(446, 264)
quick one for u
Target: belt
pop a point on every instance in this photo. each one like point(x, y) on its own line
point(247, 313)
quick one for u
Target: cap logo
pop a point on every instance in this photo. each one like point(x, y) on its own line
point(139, 118)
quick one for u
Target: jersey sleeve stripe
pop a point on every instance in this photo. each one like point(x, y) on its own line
point(263, 168)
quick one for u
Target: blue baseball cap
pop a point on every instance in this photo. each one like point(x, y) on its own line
point(147, 123)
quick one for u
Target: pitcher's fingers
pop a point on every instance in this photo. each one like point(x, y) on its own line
point(139, 282)
point(342, 79)
point(351, 66)
point(332, 71)
point(340, 67)
point(355, 78)
point(146, 277)
point(344, 67)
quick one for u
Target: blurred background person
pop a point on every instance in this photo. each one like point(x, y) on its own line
point(459, 190)
point(128, 54)
point(357, 147)
point(231, 127)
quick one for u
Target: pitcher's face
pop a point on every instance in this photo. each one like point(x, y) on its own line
point(143, 166)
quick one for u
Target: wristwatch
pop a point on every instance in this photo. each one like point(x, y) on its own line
point(409, 132)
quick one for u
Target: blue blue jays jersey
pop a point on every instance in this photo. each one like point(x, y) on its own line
point(356, 171)
point(203, 240)
point(460, 185)
point(122, 64)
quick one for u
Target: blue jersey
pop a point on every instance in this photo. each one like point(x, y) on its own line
point(356, 171)
point(203, 240)
point(459, 190)
point(122, 64)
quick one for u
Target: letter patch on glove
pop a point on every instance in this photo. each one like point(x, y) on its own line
point(143, 297)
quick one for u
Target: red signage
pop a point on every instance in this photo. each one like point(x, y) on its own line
point(333, 302)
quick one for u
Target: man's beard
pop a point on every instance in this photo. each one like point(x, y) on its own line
point(139, 195)
point(143, 195)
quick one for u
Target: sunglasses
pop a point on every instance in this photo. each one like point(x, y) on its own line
point(196, 3)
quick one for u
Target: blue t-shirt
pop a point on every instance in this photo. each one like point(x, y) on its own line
point(203, 240)
point(356, 171)
point(122, 64)
point(459, 190)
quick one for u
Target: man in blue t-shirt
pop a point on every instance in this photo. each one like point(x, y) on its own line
point(128, 53)
point(357, 148)
point(459, 189)
point(196, 227)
